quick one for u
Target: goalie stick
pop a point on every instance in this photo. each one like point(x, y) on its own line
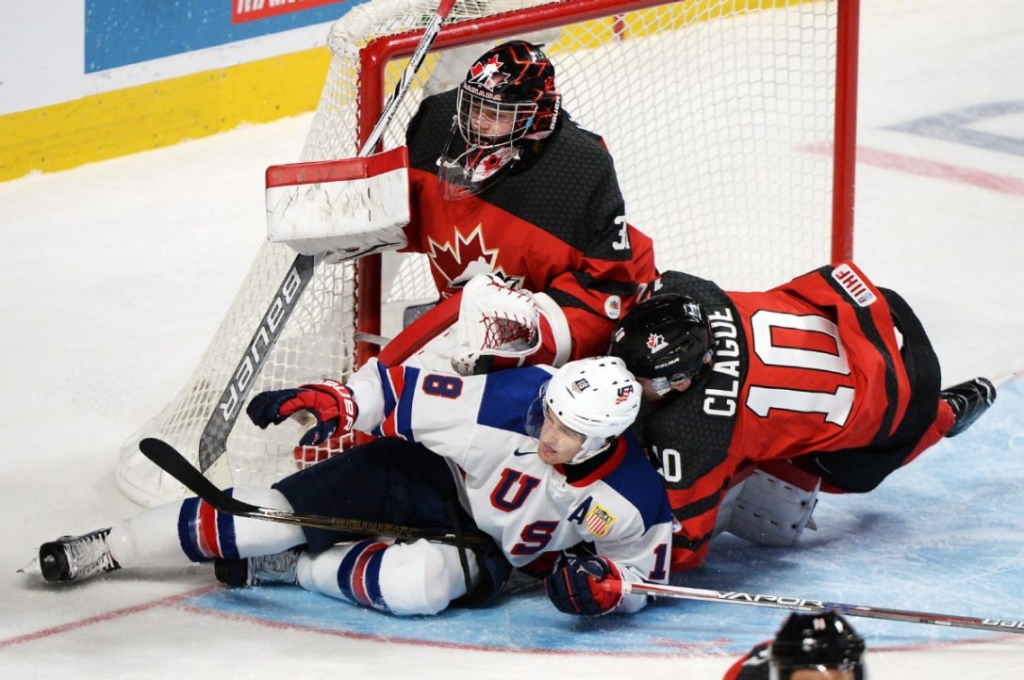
point(213, 440)
point(167, 458)
point(800, 604)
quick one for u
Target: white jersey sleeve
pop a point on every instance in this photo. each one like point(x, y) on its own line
point(451, 415)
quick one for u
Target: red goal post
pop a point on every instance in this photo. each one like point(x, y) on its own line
point(732, 126)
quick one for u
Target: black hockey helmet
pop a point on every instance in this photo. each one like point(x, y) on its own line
point(816, 640)
point(665, 336)
point(508, 96)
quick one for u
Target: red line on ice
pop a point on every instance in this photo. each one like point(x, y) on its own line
point(108, 616)
point(926, 168)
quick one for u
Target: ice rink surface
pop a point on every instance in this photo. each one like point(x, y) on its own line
point(116, 275)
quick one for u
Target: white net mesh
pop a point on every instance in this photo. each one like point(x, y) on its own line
point(717, 113)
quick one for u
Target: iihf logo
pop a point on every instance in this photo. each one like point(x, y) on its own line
point(487, 75)
point(656, 342)
point(853, 285)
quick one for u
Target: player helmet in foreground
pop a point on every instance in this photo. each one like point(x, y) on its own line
point(596, 398)
point(818, 646)
point(666, 338)
point(507, 99)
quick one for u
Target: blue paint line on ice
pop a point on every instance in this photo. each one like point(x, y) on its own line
point(940, 536)
point(964, 126)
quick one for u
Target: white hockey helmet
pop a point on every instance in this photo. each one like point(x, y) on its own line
point(596, 397)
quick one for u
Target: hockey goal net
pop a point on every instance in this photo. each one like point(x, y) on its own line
point(732, 127)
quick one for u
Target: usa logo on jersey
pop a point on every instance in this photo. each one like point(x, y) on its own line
point(599, 521)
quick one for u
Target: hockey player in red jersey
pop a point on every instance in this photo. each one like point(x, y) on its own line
point(815, 646)
point(503, 181)
point(823, 381)
point(519, 466)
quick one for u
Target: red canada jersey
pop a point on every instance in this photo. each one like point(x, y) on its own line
point(754, 665)
point(810, 366)
point(555, 223)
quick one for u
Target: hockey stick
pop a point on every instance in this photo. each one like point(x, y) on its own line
point(800, 604)
point(213, 440)
point(167, 458)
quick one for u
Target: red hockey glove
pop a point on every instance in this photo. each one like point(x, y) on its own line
point(571, 588)
point(328, 401)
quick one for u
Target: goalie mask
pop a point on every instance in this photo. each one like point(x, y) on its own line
point(597, 398)
point(821, 642)
point(507, 98)
point(666, 338)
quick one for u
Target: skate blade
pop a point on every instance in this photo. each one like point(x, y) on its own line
point(31, 568)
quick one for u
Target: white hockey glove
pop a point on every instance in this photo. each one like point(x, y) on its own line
point(498, 326)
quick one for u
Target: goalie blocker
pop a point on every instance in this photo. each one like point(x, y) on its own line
point(343, 208)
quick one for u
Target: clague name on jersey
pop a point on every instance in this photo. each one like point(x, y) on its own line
point(723, 385)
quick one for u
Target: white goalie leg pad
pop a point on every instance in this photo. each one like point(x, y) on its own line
point(771, 511)
point(726, 507)
point(405, 579)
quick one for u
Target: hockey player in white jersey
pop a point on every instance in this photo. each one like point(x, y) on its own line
point(532, 467)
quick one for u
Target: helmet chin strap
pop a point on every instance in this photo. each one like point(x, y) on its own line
point(591, 447)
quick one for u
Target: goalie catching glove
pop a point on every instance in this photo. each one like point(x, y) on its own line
point(329, 402)
point(572, 588)
point(501, 326)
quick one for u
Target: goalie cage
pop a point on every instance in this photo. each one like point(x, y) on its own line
point(732, 126)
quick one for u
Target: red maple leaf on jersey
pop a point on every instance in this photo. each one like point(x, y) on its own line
point(467, 256)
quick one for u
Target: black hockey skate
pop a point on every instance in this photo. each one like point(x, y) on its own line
point(257, 571)
point(73, 558)
point(968, 400)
